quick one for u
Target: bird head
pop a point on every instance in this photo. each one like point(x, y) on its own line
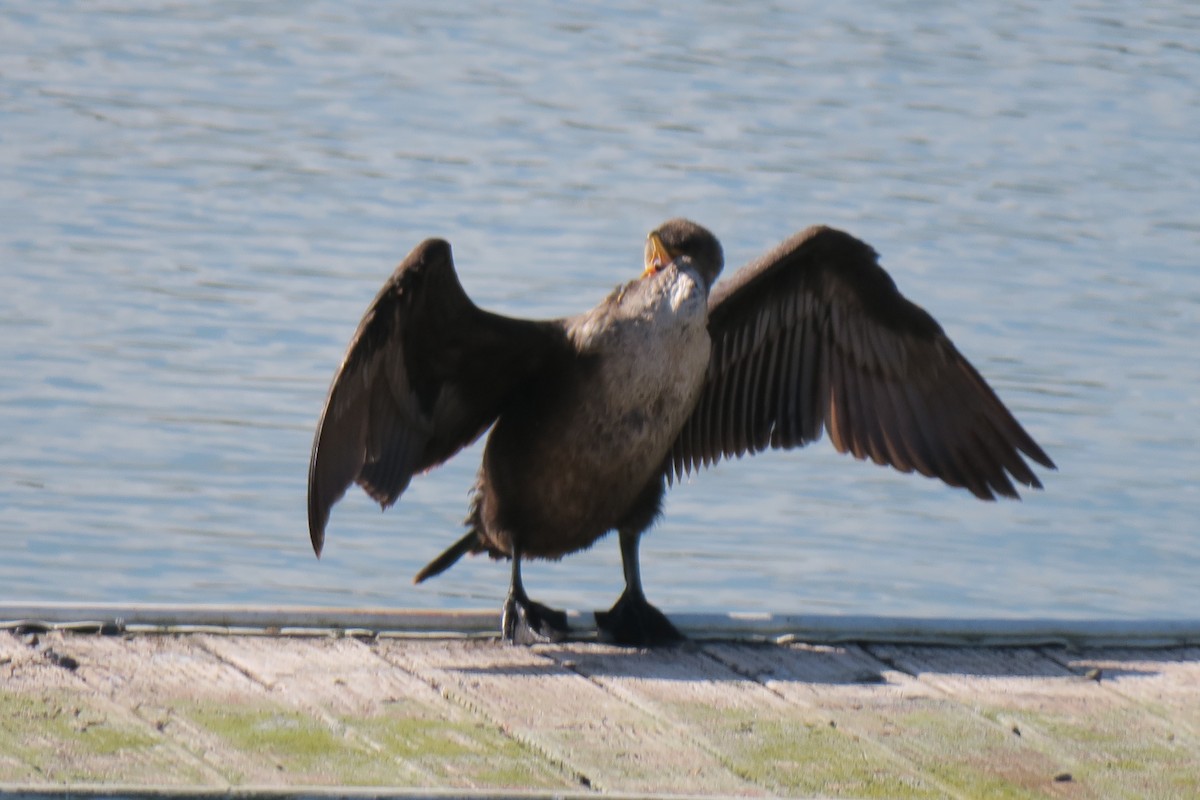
point(686, 244)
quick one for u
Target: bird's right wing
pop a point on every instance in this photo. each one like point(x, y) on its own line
point(426, 373)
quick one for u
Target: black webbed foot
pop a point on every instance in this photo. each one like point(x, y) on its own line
point(635, 623)
point(527, 622)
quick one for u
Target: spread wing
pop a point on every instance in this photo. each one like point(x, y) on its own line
point(426, 373)
point(815, 335)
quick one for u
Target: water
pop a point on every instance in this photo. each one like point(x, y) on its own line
point(198, 200)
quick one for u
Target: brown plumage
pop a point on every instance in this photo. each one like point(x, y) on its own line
point(594, 414)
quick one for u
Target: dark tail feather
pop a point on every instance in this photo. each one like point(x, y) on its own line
point(453, 553)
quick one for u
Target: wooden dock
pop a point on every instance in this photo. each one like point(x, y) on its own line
point(187, 701)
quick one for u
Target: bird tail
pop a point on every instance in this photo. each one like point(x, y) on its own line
point(467, 544)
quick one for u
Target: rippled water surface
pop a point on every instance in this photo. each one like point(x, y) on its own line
point(198, 200)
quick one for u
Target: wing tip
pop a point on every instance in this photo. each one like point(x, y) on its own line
point(1040, 457)
point(316, 524)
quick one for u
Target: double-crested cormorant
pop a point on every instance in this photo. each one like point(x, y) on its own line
point(593, 415)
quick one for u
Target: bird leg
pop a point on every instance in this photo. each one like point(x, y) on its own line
point(632, 620)
point(526, 622)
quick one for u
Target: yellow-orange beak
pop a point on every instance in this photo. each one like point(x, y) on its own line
point(657, 255)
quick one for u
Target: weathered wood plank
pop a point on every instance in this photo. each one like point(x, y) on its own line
point(1167, 682)
point(819, 629)
point(57, 730)
point(609, 744)
point(1108, 744)
point(942, 739)
point(759, 735)
point(400, 718)
point(215, 711)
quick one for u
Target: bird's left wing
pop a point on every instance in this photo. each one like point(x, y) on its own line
point(815, 335)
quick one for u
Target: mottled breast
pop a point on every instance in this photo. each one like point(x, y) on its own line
point(650, 340)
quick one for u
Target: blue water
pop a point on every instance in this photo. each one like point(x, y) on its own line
point(198, 200)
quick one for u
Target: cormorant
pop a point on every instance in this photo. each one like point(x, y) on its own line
point(592, 416)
